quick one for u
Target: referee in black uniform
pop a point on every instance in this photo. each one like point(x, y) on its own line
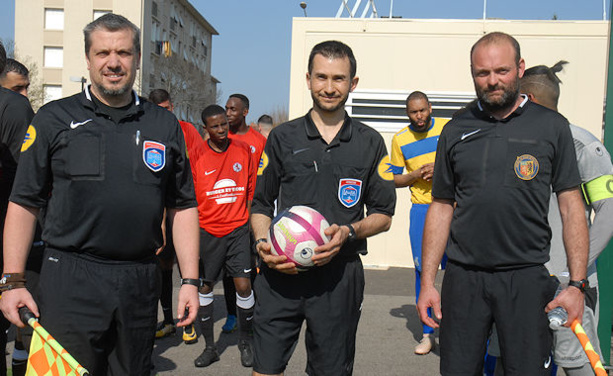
point(336, 165)
point(496, 165)
point(105, 163)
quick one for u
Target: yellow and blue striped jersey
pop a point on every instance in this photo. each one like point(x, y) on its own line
point(412, 149)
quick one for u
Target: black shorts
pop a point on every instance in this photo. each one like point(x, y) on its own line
point(329, 298)
point(104, 313)
point(230, 253)
point(472, 299)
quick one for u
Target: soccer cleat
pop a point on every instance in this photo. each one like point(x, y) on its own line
point(189, 335)
point(425, 345)
point(230, 324)
point(165, 330)
point(244, 346)
point(208, 356)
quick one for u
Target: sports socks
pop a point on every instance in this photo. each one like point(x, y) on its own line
point(205, 315)
point(166, 296)
point(244, 308)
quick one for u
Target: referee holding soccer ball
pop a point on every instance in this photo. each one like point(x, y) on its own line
point(336, 165)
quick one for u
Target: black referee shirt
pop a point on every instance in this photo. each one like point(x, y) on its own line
point(338, 179)
point(106, 183)
point(501, 174)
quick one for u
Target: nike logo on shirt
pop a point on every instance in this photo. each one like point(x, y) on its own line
point(209, 172)
point(465, 135)
point(294, 152)
point(73, 125)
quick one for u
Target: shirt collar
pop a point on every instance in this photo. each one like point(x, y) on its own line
point(518, 111)
point(87, 101)
point(344, 134)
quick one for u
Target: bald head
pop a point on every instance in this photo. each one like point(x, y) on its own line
point(497, 37)
point(542, 84)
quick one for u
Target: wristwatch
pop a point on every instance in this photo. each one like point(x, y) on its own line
point(582, 285)
point(191, 281)
point(260, 240)
point(352, 235)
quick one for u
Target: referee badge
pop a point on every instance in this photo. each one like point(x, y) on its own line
point(386, 169)
point(526, 167)
point(29, 139)
point(349, 191)
point(263, 163)
point(154, 155)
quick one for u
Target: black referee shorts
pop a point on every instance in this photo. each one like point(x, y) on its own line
point(472, 299)
point(104, 313)
point(329, 298)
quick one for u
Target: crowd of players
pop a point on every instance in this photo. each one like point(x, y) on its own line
point(121, 189)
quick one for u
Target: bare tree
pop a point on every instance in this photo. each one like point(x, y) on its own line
point(279, 114)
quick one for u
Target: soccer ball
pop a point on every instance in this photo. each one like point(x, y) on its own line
point(295, 233)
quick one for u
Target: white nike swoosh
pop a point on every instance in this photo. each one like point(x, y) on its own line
point(205, 319)
point(73, 125)
point(548, 362)
point(246, 270)
point(249, 318)
point(299, 151)
point(209, 172)
point(469, 134)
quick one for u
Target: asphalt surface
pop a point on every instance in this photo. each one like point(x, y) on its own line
point(388, 331)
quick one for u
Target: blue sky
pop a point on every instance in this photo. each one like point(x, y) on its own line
point(252, 53)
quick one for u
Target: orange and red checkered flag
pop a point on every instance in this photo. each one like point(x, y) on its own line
point(47, 357)
point(592, 355)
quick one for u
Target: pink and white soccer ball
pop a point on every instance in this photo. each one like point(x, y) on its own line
point(295, 233)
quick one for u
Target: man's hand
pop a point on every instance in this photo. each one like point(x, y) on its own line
point(188, 299)
point(429, 298)
point(572, 300)
point(426, 171)
point(324, 253)
point(12, 300)
point(279, 263)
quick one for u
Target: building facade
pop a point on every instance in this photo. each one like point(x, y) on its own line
point(176, 43)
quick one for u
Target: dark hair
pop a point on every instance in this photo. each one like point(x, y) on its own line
point(2, 57)
point(542, 81)
point(111, 22)
point(497, 37)
point(13, 65)
point(158, 96)
point(242, 98)
point(417, 95)
point(333, 49)
point(212, 110)
point(266, 119)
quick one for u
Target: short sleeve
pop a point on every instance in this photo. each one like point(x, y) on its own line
point(397, 163)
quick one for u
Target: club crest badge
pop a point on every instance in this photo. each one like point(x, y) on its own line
point(526, 167)
point(349, 191)
point(154, 155)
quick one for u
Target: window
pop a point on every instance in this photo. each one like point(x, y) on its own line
point(154, 9)
point(100, 13)
point(173, 24)
point(53, 57)
point(54, 19)
point(52, 92)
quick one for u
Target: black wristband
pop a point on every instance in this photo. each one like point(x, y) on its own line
point(191, 281)
point(582, 285)
point(260, 240)
point(352, 235)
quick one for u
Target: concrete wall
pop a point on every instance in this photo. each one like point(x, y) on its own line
point(433, 55)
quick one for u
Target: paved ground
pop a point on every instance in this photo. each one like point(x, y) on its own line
point(388, 331)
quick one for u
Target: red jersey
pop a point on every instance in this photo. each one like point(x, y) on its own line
point(193, 143)
point(224, 184)
point(256, 143)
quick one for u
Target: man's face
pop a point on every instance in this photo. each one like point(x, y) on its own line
point(217, 128)
point(17, 83)
point(235, 111)
point(496, 74)
point(330, 83)
point(419, 112)
point(112, 63)
point(167, 105)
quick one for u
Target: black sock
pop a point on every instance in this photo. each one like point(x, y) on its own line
point(245, 322)
point(166, 296)
point(20, 359)
point(205, 316)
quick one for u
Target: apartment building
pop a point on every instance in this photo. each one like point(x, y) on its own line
point(176, 43)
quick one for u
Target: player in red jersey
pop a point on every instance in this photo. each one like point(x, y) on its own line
point(224, 188)
point(195, 147)
point(237, 108)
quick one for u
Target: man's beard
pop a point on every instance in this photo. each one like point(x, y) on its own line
point(321, 106)
point(114, 92)
point(508, 98)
